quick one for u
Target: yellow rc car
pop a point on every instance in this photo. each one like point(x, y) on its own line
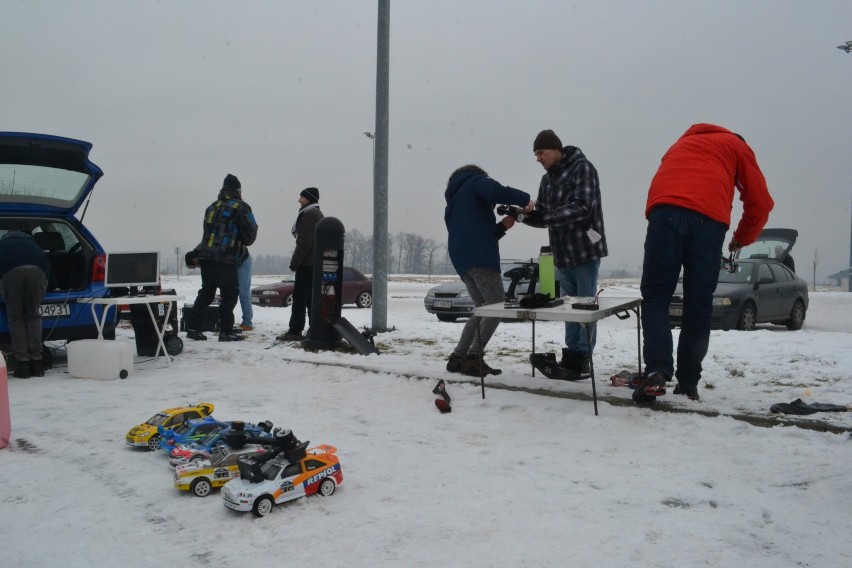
point(146, 435)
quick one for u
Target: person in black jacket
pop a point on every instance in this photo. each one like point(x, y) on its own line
point(229, 227)
point(302, 262)
point(25, 277)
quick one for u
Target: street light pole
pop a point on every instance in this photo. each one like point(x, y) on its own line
point(847, 47)
point(380, 171)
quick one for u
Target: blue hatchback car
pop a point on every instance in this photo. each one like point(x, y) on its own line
point(44, 180)
point(190, 431)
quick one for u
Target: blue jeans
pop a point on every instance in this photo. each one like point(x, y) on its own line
point(676, 238)
point(244, 276)
point(579, 280)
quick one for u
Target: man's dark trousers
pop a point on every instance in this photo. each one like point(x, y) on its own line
point(679, 237)
point(221, 275)
point(302, 292)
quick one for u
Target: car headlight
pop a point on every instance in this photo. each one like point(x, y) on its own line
point(464, 294)
point(270, 293)
point(430, 294)
point(721, 301)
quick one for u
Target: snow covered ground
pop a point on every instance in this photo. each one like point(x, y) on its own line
point(519, 478)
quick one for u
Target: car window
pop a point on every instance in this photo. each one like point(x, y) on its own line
point(313, 464)
point(41, 185)
point(270, 470)
point(741, 276)
point(292, 469)
point(781, 274)
point(764, 272)
point(349, 274)
point(192, 414)
point(206, 428)
point(158, 420)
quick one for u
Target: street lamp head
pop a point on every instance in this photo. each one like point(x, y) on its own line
point(369, 135)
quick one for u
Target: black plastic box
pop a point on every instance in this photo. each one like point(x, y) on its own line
point(209, 321)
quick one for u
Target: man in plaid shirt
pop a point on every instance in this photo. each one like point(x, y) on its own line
point(569, 206)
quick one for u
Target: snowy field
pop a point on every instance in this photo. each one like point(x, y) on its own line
point(528, 476)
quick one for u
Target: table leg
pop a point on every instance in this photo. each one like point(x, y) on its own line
point(592, 369)
point(479, 341)
point(161, 331)
point(533, 347)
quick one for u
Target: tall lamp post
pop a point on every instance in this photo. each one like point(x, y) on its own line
point(847, 47)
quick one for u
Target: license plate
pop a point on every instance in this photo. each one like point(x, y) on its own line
point(675, 311)
point(54, 310)
point(443, 304)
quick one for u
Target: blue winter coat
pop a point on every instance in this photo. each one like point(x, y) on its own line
point(18, 248)
point(472, 226)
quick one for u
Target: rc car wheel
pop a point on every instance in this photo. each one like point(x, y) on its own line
point(154, 443)
point(797, 316)
point(174, 345)
point(263, 506)
point(201, 487)
point(326, 487)
point(748, 317)
point(196, 458)
point(364, 300)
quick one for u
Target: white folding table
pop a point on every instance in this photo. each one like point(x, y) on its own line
point(619, 307)
point(106, 303)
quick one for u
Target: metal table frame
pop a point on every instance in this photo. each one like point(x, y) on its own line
point(619, 307)
point(106, 303)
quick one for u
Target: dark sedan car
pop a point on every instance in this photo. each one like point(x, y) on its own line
point(357, 289)
point(760, 288)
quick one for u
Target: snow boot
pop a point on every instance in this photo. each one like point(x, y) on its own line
point(455, 363)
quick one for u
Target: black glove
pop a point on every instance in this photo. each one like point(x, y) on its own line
point(533, 217)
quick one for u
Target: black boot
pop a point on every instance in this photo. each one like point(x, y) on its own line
point(576, 364)
point(22, 370)
point(37, 366)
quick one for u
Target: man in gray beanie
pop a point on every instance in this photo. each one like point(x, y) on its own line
point(302, 261)
point(569, 206)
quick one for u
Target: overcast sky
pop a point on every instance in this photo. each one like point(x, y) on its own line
point(176, 94)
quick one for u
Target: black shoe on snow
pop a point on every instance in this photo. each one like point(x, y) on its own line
point(37, 367)
point(651, 385)
point(547, 365)
point(691, 393)
point(196, 335)
point(576, 363)
point(455, 363)
point(473, 368)
point(230, 336)
point(22, 370)
point(290, 336)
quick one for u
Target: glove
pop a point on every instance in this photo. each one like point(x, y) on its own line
point(535, 216)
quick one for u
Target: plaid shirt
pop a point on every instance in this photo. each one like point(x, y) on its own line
point(569, 198)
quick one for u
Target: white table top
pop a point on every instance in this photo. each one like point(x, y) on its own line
point(131, 300)
point(608, 307)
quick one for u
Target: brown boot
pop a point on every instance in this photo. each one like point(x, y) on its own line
point(473, 368)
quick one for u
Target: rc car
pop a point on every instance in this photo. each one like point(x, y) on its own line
point(286, 472)
point(191, 431)
point(203, 449)
point(203, 476)
point(146, 435)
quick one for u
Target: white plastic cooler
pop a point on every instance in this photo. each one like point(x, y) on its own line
point(100, 359)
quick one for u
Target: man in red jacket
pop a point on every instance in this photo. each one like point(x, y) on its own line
point(689, 211)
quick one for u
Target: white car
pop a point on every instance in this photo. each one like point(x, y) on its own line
point(203, 476)
point(262, 485)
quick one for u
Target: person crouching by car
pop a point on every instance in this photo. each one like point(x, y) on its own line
point(25, 277)
point(229, 227)
point(472, 243)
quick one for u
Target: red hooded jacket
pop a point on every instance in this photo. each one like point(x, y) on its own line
point(699, 172)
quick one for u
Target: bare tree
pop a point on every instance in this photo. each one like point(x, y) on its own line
point(816, 262)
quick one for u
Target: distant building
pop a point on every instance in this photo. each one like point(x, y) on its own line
point(840, 279)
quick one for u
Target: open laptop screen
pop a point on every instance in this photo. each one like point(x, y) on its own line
point(132, 269)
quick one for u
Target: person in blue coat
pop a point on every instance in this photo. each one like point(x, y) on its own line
point(474, 251)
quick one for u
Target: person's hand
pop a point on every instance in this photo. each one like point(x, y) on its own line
point(507, 222)
point(530, 206)
point(734, 245)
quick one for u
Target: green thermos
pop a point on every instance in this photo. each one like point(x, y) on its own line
point(546, 275)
